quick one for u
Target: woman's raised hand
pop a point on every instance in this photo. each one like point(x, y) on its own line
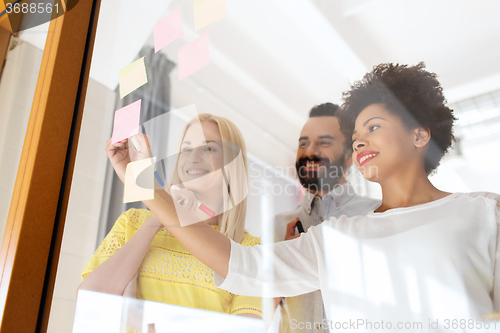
point(118, 156)
point(123, 152)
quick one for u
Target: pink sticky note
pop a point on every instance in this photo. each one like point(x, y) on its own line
point(126, 123)
point(168, 29)
point(193, 56)
point(206, 12)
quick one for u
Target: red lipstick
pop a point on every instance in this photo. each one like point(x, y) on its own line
point(362, 161)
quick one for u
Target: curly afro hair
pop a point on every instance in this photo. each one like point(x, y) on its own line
point(409, 92)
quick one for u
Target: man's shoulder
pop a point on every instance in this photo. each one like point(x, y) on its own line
point(284, 216)
point(282, 219)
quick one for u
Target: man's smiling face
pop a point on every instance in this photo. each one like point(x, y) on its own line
point(321, 158)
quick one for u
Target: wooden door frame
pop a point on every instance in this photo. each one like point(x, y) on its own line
point(30, 248)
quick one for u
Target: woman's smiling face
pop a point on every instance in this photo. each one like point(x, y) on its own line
point(382, 145)
point(200, 155)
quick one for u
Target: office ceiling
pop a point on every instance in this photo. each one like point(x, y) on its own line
point(272, 60)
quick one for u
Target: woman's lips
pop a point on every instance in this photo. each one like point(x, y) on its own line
point(365, 157)
point(196, 171)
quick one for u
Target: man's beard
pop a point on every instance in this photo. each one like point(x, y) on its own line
point(324, 179)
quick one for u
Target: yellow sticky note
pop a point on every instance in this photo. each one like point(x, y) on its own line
point(208, 11)
point(132, 77)
point(139, 181)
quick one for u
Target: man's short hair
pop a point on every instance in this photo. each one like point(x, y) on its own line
point(326, 109)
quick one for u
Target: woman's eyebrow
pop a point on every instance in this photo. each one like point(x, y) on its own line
point(203, 143)
point(366, 122)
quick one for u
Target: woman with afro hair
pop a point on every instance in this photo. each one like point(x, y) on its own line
point(425, 260)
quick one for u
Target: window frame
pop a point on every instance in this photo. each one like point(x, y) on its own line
point(31, 245)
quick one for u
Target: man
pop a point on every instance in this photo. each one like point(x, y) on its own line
point(323, 157)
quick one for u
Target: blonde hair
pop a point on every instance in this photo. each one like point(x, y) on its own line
point(232, 221)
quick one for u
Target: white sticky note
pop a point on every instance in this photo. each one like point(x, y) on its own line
point(139, 181)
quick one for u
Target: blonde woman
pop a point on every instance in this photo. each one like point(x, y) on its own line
point(141, 258)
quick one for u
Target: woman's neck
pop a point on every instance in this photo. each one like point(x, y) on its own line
point(411, 189)
point(213, 220)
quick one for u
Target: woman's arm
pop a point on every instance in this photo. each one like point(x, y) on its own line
point(295, 262)
point(131, 288)
point(249, 315)
point(298, 261)
point(114, 275)
point(207, 244)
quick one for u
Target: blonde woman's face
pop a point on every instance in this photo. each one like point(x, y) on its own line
point(201, 159)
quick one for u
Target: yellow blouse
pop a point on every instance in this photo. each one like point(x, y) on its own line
point(169, 273)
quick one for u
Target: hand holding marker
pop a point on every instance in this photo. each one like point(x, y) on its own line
point(136, 143)
point(200, 206)
point(137, 147)
point(299, 226)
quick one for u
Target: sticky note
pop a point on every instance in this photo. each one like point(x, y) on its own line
point(126, 123)
point(139, 181)
point(168, 29)
point(207, 12)
point(132, 77)
point(193, 56)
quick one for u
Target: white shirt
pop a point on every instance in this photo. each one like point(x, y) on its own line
point(435, 261)
point(313, 210)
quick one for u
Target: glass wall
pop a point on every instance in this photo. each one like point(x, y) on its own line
point(261, 64)
point(126, 33)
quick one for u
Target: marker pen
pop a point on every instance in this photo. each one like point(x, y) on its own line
point(299, 226)
point(201, 206)
point(137, 146)
point(136, 143)
point(158, 179)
